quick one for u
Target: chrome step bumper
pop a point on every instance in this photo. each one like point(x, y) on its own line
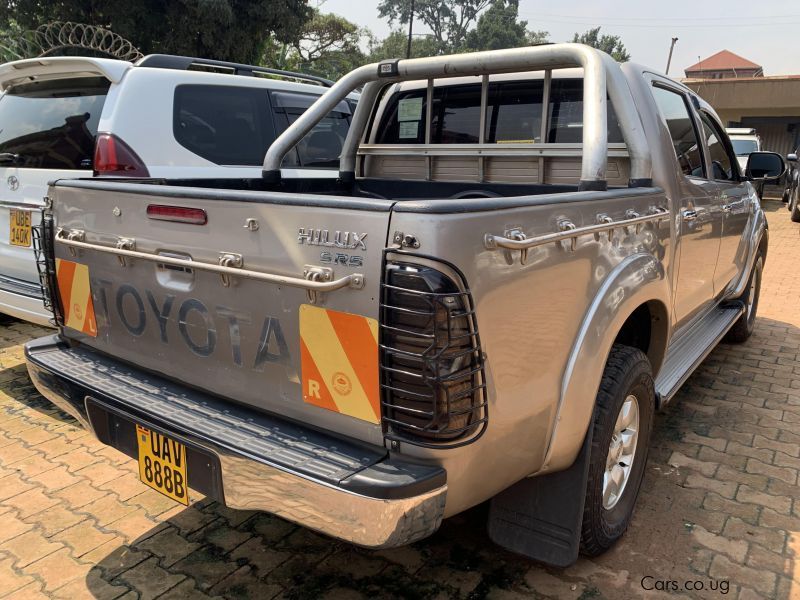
point(341, 488)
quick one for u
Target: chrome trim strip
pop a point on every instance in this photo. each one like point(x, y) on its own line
point(22, 205)
point(353, 281)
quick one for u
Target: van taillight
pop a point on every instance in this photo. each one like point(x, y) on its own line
point(432, 379)
point(114, 157)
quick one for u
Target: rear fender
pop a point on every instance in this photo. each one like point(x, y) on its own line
point(637, 280)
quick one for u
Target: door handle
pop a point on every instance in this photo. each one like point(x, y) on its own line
point(689, 214)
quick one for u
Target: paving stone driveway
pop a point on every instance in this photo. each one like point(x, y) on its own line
point(719, 507)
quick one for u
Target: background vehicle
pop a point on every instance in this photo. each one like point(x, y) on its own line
point(791, 192)
point(744, 140)
point(509, 277)
point(166, 116)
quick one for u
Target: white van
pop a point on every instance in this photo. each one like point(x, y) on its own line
point(165, 116)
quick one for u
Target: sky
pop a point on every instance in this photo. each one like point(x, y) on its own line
point(764, 31)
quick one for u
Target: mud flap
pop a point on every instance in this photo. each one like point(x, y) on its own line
point(541, 517)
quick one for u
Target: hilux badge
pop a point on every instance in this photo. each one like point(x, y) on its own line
point(335, 239)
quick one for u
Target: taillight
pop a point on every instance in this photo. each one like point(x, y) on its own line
point(178, 214)
point(432, 380)
point(114, 157)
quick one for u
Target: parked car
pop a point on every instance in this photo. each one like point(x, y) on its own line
point(744, 140)
point(165, 116)
point(510, 276)
point(791, 191)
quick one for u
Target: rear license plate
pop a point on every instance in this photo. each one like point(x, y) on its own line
point(20, 230)
point(162, 464)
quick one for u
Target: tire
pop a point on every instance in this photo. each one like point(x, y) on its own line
point(794, 204)
point(627, 375)
point(743, 328)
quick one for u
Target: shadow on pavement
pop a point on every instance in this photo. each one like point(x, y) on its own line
point(208, 549)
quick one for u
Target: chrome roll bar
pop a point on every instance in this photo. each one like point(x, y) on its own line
point(601, 77)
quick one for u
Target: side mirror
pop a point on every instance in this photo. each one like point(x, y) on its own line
point(764, 166)
point(792, 157)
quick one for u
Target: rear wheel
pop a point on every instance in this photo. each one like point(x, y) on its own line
point(794, 204)
point(621, 437)
point(743, 328)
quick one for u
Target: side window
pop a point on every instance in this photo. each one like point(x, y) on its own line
point(675, 112)
point(321, 147)
point(721, 162)
point(223, 124)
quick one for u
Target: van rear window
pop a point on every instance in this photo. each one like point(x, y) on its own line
point(51, 124)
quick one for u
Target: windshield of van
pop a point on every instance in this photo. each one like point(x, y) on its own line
point(52, 124)
point(744, 147)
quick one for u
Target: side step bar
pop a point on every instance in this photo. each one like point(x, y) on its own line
point(685, 354)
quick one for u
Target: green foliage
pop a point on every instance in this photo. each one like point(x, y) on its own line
point(448, 20)
point(612, 44)
point(499, 27)
point(234, 30)
point(396, 44)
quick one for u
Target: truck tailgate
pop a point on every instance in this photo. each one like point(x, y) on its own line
point(264, 342)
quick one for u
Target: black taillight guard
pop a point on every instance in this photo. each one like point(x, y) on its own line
point(44, 253)
point(433, 389)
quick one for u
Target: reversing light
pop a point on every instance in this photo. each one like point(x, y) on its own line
point(177, 214)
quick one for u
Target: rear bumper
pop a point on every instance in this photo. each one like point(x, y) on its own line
point(341, 488)
point(24, 307)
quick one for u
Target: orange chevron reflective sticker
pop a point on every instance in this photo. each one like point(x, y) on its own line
point(76, 296)
point(339, 358)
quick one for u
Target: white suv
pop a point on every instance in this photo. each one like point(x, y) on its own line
point(744, 140)
point(165, 116)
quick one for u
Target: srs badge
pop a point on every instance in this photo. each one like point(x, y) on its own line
point(339, 359)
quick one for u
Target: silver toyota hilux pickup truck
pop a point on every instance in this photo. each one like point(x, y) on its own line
point(526, 253)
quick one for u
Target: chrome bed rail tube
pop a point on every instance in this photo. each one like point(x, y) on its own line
point(569, 231)
point(601, 77)
point(354, 280)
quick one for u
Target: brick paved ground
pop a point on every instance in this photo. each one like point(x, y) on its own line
point(720, 501)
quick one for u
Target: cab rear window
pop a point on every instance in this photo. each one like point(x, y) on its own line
point(513, 114)
point(51, 124)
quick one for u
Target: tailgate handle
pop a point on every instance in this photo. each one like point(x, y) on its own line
point(353, 281)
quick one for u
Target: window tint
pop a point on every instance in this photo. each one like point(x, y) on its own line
point(52, 124)
point(323, 144)
point(456, 115)
point(675, 113)
point(721, 162)
point(224, 124)
point(514, 114)
point(566, 114)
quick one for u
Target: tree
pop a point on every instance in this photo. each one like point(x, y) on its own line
point(449, 20)
point(395, 45)
point(499, 27)
point(234, 30)
point(612, 44)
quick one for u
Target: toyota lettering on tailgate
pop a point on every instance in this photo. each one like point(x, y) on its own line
point(171, 316)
